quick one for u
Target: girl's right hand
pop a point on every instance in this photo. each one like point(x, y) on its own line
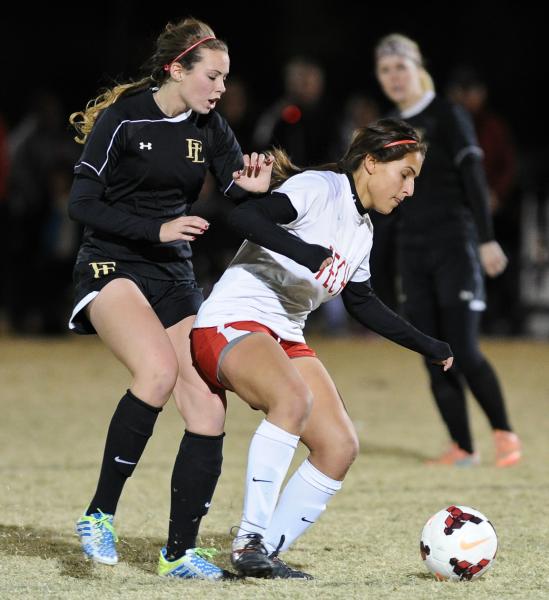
point(446, 363)
point(183, 228)
point(316, 257)
point(326, 263)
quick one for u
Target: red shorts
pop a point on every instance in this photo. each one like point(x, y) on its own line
point(209, 344)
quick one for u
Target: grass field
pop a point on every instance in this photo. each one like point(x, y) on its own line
point(58, 397)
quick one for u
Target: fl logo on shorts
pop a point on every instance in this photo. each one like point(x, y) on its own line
point(102, 268)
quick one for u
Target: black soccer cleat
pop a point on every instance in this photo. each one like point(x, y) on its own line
point(283, 571)
point(250, 557)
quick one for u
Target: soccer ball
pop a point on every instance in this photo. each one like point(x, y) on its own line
point(458, 543)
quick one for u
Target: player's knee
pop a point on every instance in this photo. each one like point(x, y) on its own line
point(159, 378)
point(301, 405)
point(202, 410)
point(344, 448)
point(352, 447)
point(295, 405)
point(340, 450)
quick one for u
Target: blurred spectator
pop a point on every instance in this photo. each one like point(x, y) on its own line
point(466, 87)
point(4, 162)
point(4, 165)
point(359, 111)
point(237, 107)
point(301, 122)
point(43, 155)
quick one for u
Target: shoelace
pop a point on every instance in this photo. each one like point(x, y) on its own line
point(256, 539)
point(256, 542)
point(206, 553)
point(104, 521)
point(274, 554)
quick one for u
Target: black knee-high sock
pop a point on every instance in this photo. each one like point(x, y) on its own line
point(195, 474)
point(130, 429)
point(486, 389)
point(450, 398)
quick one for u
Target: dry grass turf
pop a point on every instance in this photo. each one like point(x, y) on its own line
point(57, 399)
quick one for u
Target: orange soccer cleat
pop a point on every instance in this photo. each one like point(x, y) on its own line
point(456, 457)
point(508, 448)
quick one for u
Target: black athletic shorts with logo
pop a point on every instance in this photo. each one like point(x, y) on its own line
point(171, 300)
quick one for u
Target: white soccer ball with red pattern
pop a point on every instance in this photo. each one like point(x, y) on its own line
point(458, 543)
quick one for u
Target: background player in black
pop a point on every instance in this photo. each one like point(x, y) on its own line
point(444, 237)
point(148, 147)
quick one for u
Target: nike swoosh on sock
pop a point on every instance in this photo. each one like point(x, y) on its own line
point(126, 462)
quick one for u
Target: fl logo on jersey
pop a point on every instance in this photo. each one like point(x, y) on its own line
point(194, 151)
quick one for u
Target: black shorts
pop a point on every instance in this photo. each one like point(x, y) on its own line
point(172, 301)
point(441, 276)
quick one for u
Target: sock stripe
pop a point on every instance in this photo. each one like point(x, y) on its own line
point(318, 479)
point(273, 432)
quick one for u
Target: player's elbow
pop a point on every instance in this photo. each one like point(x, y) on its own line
point(73, 210)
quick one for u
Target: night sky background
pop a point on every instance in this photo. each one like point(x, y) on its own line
point(75, 51)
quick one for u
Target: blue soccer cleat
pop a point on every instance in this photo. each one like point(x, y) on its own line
point(192, 565)
point(98, 537)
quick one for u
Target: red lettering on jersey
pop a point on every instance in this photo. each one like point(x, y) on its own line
point(336, 274)
point(339, 266)
point(344, 280)
point(330, 272)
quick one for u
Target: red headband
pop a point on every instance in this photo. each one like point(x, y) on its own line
point(399, 143)
point(209, 37)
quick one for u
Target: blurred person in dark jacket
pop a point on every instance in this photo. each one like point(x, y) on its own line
point(42, 152)
point(4, 166)
point(301, 121)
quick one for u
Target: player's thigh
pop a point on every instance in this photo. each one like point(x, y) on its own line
point(329, 432)
point(260, 372)
point(418, 293)
point(125, 321)
point(202, 408)
point(458, 277)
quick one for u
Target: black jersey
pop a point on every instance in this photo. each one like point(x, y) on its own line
point(439, 208)
point(146, 168)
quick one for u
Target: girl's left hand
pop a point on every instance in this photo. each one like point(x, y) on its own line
point(493, 258)
point(255, 176)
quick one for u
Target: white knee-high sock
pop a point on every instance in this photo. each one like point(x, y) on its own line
point(270, 455)
point(302, 502)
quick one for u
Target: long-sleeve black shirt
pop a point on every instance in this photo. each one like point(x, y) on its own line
point(139, 169)
point(451, 196)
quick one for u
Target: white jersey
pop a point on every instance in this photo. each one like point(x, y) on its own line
point(267, 287)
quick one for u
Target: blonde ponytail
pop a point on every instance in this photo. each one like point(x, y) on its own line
point(83, 121)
